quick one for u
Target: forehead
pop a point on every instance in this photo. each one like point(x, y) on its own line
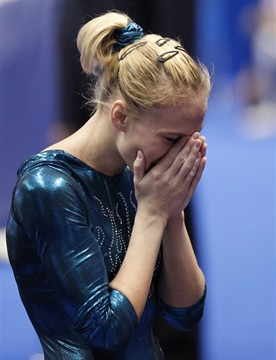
point(182, 118)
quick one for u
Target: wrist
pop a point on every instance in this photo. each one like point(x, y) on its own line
point(177, 220)
point(149, 216)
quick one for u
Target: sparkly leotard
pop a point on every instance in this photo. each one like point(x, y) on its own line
point(67, 234)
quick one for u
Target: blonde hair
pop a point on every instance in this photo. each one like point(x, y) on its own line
point(136, 72)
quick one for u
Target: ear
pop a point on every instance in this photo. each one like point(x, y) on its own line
point(118, 115)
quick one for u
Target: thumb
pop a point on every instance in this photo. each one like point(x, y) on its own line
point(139, 166)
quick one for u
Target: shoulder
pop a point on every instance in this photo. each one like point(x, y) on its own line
point(44, 177)
point(44, 182)
point(46, 189)
point(47, 171)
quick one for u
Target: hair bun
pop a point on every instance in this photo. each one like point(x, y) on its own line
point(96, 41)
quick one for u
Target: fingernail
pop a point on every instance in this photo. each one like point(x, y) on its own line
point(139, 155)
point(197, 145)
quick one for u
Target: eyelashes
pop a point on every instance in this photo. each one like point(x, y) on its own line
point(171, 139)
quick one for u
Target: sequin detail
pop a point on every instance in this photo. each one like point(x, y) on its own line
point(118, 221)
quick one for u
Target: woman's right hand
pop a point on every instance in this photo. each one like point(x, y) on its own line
point(168, 186)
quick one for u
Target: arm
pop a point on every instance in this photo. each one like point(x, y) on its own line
point(135, 275)
point(160, 200)
point(51, 208)
point(182, 282)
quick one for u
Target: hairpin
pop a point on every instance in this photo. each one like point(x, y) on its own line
point(130, 49)
point(162, 41)
point(179, 47)
point(167, 55)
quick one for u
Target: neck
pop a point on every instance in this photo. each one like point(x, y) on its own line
point(98, 146)
point(95, 144)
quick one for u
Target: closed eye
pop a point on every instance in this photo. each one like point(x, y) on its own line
point(172, 140)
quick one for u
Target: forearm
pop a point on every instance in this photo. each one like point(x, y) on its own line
point(181, 282)
point(135, 275)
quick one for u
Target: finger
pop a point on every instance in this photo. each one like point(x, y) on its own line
point(167, 160)
point(203, 149)
point(180, 148)
point(195, 181)
point(198, 174)
point(202, 138)
point(186, 157)
point(188, 177)
point(139, 167)
point(186, 165)
point(196, 135)
point(195, 165)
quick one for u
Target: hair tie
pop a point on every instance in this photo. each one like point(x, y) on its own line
point(127, 35)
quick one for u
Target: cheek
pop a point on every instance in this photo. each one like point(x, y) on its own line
point(128, 151)
point(153, 149)
point(155, 152)
point(129, 157)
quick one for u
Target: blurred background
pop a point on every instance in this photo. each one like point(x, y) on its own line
point(232, 215)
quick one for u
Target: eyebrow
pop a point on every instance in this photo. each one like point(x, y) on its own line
point(177, 134)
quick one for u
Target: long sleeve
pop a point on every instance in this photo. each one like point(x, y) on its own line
point(183, 318)
point(49, 204)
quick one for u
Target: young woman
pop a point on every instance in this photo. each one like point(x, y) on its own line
point(96, 234)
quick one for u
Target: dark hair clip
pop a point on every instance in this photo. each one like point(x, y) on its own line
point(162, 41)
point(167, 55)
point(130, 49)
point(179, 47)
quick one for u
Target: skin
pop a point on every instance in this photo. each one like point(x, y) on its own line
point(167, 155)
